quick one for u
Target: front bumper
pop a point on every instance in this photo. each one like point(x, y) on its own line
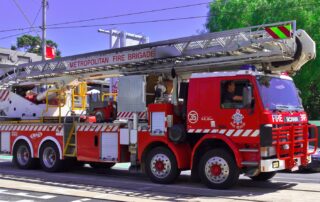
point(271, 165)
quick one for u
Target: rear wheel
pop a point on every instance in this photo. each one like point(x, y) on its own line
point(161, 166)
point(218, 169)
point(22, 156)
point(263, 176)
point(50, 157)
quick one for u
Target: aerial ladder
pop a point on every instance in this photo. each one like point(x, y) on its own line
point(261, 139)
point(218, 51)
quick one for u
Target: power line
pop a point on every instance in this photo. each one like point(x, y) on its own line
point(109, 17)
point(111, 24)
point(131, 23)
point(141, 22)
point(35, 19)
point(6, 37)
point(25, 16)
point(130, 14)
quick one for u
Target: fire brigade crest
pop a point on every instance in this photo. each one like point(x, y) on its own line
point(237, 120)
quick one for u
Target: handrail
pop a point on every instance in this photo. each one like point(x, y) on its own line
point(60, 97)
point(82, 93)
point(114, 95)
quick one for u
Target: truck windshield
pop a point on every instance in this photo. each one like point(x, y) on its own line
point(278, 94)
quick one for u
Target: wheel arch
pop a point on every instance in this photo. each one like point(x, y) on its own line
point(214, 141)
point(25, 139)
point(50, 139)
point(175, 151)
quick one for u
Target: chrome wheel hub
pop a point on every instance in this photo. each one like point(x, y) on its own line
point(160, 166)
point(217, 170)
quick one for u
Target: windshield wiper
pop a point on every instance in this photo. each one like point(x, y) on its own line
point(282, 107)
point(288, 107)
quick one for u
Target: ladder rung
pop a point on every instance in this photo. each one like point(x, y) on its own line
point(70, 155)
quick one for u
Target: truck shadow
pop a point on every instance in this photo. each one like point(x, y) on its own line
point(123, 182)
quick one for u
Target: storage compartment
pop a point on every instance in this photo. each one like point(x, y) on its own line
point(109, 147)
point(5, 142)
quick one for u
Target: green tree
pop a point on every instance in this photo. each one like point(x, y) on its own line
point(230, 14)
point(32, 44)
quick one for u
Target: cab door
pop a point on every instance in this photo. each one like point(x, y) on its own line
point(239, 119)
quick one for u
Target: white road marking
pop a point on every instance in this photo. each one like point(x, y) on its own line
point(45, 197)
point(25, 200)
point(80, 200)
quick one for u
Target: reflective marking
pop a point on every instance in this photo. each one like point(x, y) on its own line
point(246, 133)
point(229, 133)
point(98, 128)
point(115, 128)
point(222, 131)
point(104, 128)
point(206, 130)
point(255, 133)
point(214, 131)
point(237, 133)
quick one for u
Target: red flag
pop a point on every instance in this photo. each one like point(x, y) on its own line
point(50, 52)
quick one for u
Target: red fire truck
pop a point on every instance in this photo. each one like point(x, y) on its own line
point(219, 104)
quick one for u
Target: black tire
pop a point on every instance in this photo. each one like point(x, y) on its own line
point(263, 176)
point(100, 116)
point(50, 157)
point(168, 160)
point(223, 173)
point(22, 156)
point(101, 166)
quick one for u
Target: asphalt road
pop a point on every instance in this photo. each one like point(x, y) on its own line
point(30, 196)
point(120, 185)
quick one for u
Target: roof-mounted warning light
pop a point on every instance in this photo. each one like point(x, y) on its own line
point(248, 67)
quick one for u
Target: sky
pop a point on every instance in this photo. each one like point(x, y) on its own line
point(73, 41)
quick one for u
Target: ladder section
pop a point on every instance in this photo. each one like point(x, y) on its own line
point(256, 44)
point(70, 148)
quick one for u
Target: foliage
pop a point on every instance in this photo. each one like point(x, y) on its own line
point(230, 14)
point(32, 44)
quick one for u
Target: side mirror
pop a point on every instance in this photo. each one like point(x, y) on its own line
point(247, 96)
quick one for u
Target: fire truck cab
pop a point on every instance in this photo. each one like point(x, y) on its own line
point(261, 132)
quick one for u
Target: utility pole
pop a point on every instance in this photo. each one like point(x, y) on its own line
point(44, 18)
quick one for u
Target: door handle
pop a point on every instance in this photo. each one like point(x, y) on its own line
point(96, 140)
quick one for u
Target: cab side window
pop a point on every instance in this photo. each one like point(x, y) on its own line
point(232, 93)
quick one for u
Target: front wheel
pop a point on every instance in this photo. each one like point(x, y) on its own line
point(263, 176)
point(161, 166)
point(50, 158)
point(218, 169)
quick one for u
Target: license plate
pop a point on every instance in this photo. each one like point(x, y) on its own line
point(291, 119)
point(275, 164)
